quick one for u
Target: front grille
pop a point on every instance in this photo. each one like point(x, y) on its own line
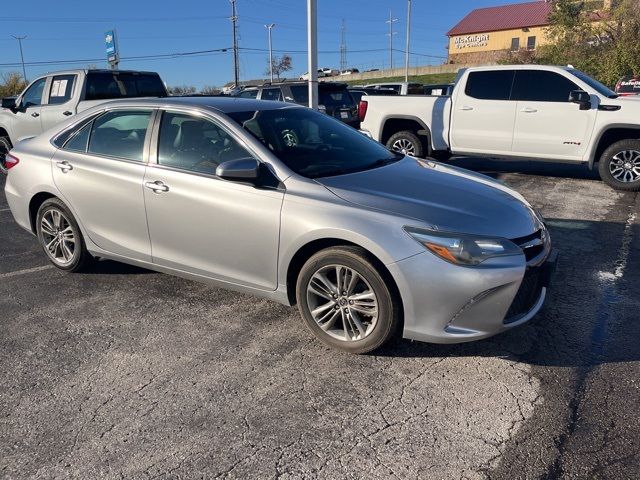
point(527, 296)
point(532, 245)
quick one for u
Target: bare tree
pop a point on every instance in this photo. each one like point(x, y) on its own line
point(210, 90)
point(181, 90)
point(280, 65)
point(12, 84)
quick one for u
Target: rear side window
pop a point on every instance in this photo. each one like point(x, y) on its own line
point(106, 85)
point(300, 94)
point(490, 85)
point(542, 86)
point(271, 94)
point(415, 89)
point(61, 89)
point(120, 134)
point(335, 98)
point(78, 143)
point(249, 94)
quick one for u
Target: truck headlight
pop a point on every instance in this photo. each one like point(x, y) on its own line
point(463, 249)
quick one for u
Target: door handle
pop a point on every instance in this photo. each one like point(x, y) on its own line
point(528, 110)
point(466, 108)
point(64, 166)
point(157, 186)
point(35, 114)
point(67, 113)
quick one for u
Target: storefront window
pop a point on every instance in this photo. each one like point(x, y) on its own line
point(515, 44)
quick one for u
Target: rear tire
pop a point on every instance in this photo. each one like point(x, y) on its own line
point(406, 142)
point(619, 165)
point(5, 146)
point(355, 312)
point(60, 237)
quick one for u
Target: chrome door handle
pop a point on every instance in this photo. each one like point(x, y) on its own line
point(35, 114)
point(528, 110)
point(157, 186)
point(64, 166)
point(466, 108)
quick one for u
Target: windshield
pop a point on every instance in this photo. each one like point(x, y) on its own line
point(593, 83)
point(313, 144)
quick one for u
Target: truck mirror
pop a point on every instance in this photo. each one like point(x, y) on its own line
point(9, 102)
point(582, 98)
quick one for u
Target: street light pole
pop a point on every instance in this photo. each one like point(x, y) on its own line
point(236, 66)
point(24, 72)
point(270, 27)
point(406, 53)
point(312, 46)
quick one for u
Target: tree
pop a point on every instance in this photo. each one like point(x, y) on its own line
point(210, 90)
point(181, 90)
point(603, 43)
point(280, 65)
point(12, 84)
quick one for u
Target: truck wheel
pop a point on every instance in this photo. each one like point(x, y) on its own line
point(5, 146)
point(619, 165)
point(406, 142)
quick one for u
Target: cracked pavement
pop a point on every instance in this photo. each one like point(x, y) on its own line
point(126, 373)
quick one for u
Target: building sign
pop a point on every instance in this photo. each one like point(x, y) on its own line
point(468, 41)
point(112, 48)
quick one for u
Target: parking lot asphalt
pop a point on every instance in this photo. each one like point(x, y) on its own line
point(126, 373)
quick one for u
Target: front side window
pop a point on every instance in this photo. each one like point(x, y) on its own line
point(271, 94)
point(120, 133)
point(313, 144)
point(249, 93)
point(515, 44)
point(531, 43)
point(300, 94)
point(195, 144)
point(61, 89)
point(542, 86)
point(33, 96)
point(490, 85)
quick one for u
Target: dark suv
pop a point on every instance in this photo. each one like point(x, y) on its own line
point(333, 98)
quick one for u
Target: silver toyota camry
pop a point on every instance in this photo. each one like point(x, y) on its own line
point(280, 201)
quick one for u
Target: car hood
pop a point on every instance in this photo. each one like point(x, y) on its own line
point(443, 197)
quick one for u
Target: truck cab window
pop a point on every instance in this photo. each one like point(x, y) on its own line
point(33, 96)
point(490, 85)
point(542, 86)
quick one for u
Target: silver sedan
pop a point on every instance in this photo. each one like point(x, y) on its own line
point(285, 203)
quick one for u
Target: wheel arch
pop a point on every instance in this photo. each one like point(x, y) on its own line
point(5, 133)
point(399, 123)
point(611, 135)
point(34, 205)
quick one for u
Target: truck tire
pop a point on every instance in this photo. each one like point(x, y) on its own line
point(619, 165)
point(406, 142)
point(5, 146)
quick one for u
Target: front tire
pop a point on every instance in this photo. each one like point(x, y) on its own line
point(346, 302)
point(619, 165)
point(60, 237)
point(406, 142)
point(5, 146)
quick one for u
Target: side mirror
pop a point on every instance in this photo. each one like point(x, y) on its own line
point(241, 169)
point(9, 102)
point(582, 98)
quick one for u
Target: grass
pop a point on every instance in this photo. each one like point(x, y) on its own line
point(431, 78)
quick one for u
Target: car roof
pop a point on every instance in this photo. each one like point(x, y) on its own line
point(221, 104)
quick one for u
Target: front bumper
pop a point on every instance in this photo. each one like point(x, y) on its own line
point(445, 303)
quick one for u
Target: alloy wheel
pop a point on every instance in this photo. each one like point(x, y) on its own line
point(58, 237)
point(625, 166)
point(342, 303)
point(405, 146)
point(4, 149)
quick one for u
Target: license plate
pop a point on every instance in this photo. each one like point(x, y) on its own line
point(344, 114)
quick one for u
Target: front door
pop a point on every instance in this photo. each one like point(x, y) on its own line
point(27, 122)
point(202, 224)
point(59, 104)
point(483, 115)
point(99, 173)
point(547, 124)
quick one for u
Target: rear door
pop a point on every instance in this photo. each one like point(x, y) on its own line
point(27, 122)
point(483, 116)
point(59, 100)
point(547, 124)
point(99, 172)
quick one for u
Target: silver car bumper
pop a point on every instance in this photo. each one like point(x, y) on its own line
point(452, 304)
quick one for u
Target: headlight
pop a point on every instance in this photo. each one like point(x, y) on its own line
point(462, 249)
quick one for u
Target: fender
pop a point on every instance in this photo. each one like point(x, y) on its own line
point(424, 126)
point(591, 153)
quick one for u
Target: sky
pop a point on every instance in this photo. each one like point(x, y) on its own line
point(71, 30)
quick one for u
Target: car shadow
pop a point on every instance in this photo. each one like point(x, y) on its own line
point(495, 167)
point(111, 267)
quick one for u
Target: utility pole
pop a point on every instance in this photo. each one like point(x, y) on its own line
point(343, 47)
point(234, 21)
point(24, 72)
point(312, 48)
point(391, 33)
point(270, 27)
point(406, 53)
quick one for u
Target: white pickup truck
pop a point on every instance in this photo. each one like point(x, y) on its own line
point(53, 97)
point(518, 111)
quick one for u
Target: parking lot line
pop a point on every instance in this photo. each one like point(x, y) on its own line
point(4, 209)
point(25, 271)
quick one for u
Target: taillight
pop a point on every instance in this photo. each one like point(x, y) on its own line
point(11, 161)
point(362, 109)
